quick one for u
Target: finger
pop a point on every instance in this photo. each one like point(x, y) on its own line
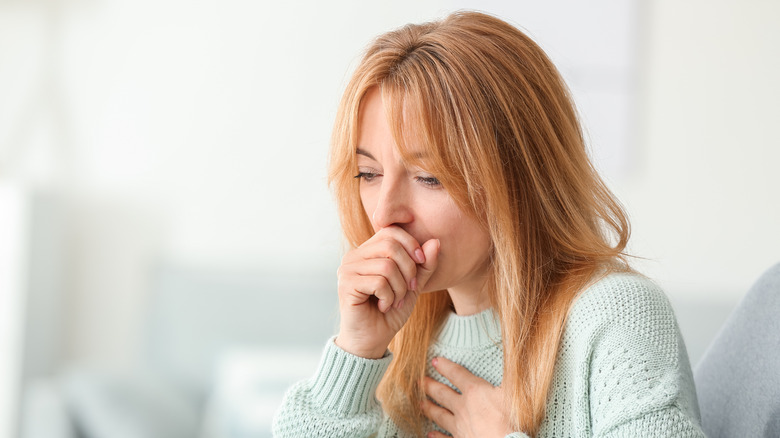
point(390, 249)
point(409, 243)
point(440, 393)
point(442, 417)
point(361, 287)
point(458, 375)
point(388, 269)
point(425, 270)
point(436, 434)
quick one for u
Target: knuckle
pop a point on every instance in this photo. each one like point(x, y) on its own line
point(440, 415)
point(468, 387)
point(389, 247)
point(379, 286)
point(435, 391)
point(410, 268)
point(387, 268)
point(341, 279)
point(400, 252)
point(344, 272)
point(349, 255)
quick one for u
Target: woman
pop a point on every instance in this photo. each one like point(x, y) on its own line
point(487, 255)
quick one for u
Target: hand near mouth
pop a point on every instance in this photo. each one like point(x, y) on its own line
point(378, 286)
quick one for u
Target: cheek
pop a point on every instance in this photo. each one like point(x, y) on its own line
point(469, 243)
point(369, 204)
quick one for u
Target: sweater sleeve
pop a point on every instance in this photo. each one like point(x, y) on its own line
point(339, 401)
point(641, 384)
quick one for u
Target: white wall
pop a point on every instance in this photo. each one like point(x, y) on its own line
point(196, 132)
point(705, 195)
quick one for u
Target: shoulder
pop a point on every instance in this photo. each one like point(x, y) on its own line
point(624, 328)
point(622, 340)
point(624, 312)
point(624, 299)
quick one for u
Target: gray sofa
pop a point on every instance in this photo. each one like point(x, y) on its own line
point(738, 379)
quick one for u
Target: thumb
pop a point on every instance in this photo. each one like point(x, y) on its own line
point(425, 270)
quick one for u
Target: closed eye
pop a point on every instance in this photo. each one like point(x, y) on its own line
point(429, 181)
point(366, 176)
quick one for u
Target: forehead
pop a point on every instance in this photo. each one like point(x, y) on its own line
point(384, 125)
point(375, 135)
point(373, 120)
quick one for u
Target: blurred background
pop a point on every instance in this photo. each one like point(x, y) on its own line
point(168, 244)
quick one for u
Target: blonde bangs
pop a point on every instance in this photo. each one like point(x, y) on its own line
point(424, 138)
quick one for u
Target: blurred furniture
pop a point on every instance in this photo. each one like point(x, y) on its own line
point(249, 388)
point(738, 379)
point(221, 349)
point(234, 341)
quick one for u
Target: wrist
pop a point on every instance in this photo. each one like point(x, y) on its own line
point(359, 349)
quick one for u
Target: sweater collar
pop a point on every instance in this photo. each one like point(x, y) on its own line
point(471, 331)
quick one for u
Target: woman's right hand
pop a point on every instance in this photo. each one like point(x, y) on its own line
point(392, 267)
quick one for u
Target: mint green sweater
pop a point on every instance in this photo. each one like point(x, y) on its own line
point(622, 371)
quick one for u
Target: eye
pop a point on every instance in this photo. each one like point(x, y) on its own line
point(429, 181)
point(366, 176)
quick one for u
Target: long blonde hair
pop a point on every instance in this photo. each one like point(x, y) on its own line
point(502, 135)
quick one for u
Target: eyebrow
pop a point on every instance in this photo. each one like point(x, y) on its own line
point(416, 155)
point(365, 153)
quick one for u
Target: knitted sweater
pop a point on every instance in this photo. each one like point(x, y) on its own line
point(622, 371)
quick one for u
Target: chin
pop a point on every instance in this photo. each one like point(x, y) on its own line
point(434, 285)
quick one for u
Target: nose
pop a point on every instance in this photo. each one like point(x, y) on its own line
point(393, 206)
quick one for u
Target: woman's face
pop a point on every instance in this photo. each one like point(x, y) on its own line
point(394, 193)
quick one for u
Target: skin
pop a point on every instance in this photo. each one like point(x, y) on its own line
point(477, 412)
point(422, 242)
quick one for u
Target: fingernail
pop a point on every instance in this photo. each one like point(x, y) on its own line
point(413, 284)
point(420, 255)
point(434, 362)
point(438, 243)
point(399, 304)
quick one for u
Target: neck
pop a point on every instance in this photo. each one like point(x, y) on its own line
point(470, 299)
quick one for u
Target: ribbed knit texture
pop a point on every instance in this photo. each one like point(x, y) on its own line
point(622, 371)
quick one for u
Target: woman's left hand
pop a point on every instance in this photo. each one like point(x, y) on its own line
point(478, 411)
